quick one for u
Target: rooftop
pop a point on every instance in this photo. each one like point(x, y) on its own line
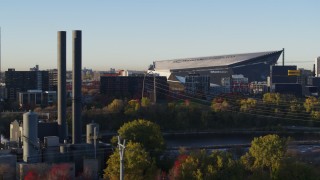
point(209, 61)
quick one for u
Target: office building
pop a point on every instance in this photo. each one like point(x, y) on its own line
point(53, 79)
point(21, 81)
point(33, 98)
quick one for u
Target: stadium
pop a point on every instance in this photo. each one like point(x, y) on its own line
point(254, 66)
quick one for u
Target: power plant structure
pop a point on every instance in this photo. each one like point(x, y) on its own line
point(49, 143)
point(76, 87)
point(30, 137)
point(62, 69)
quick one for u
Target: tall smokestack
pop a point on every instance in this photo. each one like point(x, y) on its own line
point(62, 49)
point(76, 87)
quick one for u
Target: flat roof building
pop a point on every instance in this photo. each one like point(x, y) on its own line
point(21, 81)
point(132, 86)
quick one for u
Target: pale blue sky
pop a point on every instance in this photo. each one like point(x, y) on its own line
point(132, 34)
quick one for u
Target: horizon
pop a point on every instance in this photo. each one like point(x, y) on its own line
point(132, 35)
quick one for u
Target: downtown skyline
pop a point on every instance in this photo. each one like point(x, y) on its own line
point(131, 35)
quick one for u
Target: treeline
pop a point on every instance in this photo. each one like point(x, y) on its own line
point(233, 111)
point(145, 158)
point(270, 112)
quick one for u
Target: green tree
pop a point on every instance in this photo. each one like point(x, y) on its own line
point(295, 106)
point(137, 164)
point(265, 153)
point(132, 107)
point(145, 102)
point(311, 104)
point(146, 133)
point(219, 104)
point(247, 104)
point(315, 115)
point(199, 165)
point(296, 170)
point(115, 106)
point(271, 98)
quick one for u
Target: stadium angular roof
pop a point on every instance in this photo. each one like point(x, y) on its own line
point(209, 61)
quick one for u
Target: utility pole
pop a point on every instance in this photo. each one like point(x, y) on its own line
point(121, 152)
point(144, 77)
point(282, 56)
point(154, 89)
point(95, 141)
point(0, 58)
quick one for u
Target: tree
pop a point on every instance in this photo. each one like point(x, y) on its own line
point(146, 133)
point(295, 106)
point(137, 164)
point(199, 165)
point(132, 107)
point(115, 106)
point(145, 102)
point(271, 99)
point(296, 170)
point(266, 152)
point(315, 115)
point(311, 104)
point(219, 104)
point(247, 104)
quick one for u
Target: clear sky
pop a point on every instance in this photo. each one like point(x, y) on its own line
point(131, 34)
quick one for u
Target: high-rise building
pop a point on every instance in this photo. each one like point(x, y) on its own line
point(53, 79)
point(317, 64)
point(21, 81)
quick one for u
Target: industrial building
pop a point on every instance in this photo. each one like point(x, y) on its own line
point(41, 147)
point(254, 66)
